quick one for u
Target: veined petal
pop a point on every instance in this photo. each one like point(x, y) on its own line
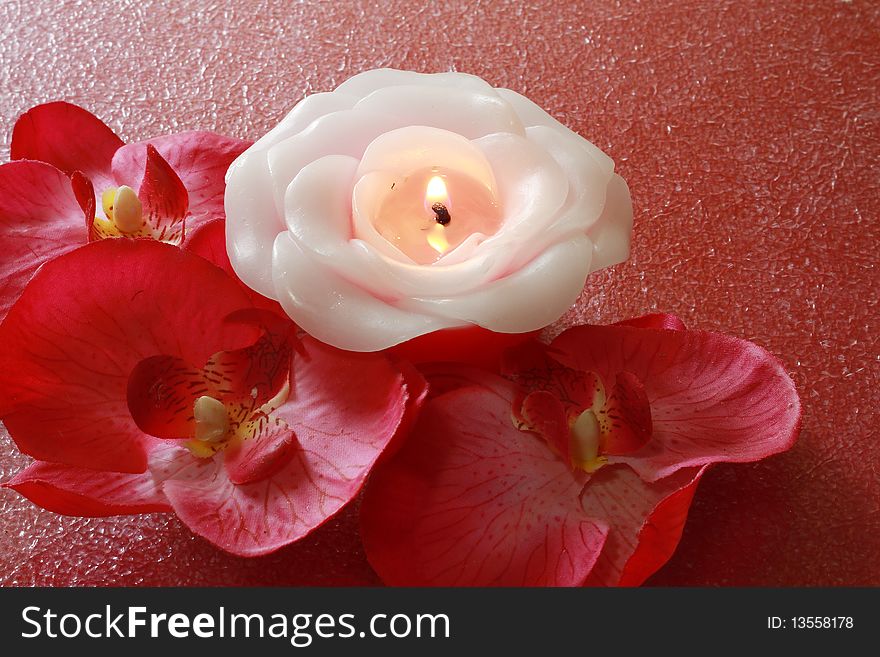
point(40, 219)
point(345, 408)
point(471, 500)
point(200, 160)
point(80, 327)
point(251, 376)
point(162, 390)
point(164, 198)
point(77, 491)
point(534, 368)
point(626, 416)
point(67, 137)
point(645, 521)
point(543, 413)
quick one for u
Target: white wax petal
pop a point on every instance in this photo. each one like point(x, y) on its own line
point(317, 205)
point(587, 187)
point(611, 233)
point(531, 114)
point(406, 150)
point(367, 82)
point(587, 180)
point(252, 221)
point(341, 133)
point(338, 312)
point(306, 111)
point(392, 280)
point(528, 299)
point(461, 111)
point(532, 188)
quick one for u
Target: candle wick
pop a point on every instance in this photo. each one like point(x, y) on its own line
point(442, 213)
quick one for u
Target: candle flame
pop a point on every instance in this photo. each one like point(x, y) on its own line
point(436, 191)
point(437, 239)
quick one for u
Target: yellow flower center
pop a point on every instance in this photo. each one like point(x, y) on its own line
point(124, 216)
point(216, 428)
point(585, 442)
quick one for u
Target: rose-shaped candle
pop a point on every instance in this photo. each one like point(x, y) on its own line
point(404, 203)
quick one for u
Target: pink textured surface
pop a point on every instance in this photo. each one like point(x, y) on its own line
point(748, 133)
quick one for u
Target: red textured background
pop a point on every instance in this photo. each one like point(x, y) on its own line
point(748, 132)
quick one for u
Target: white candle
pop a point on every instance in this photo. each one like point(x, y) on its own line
point(404, 203)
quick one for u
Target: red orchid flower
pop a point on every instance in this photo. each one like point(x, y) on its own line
point(74, 181)
point(143, 379)
point(581, 465)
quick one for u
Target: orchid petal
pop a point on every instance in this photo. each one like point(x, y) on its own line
point(655, 320)
point(625, 418)
point(67, 137)
point(164, 198)
point(471, 500)
point(78, 491)
point(40, 219)
point(263, 453)
point(162, 391)
point(645, 519)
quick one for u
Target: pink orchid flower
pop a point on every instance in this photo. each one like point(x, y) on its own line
point(73, 181)
point(580, 467)
point(143, 379)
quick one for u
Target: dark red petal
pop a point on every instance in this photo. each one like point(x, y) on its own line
point(162, 391)
point(266, 451)
point(471, 500)
point(472, 345)
point(67, 137)
point(164, 198)
point(80, 327)
point(76, 491)
point(656, 320)
point(200, 160)
point(84, 192)
point(40, 219)
point(544, 414)
point(344, 409)
point(713, 397)
point(625, 419)
point(660, 535)
point(209, 241)
point(645, 521)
